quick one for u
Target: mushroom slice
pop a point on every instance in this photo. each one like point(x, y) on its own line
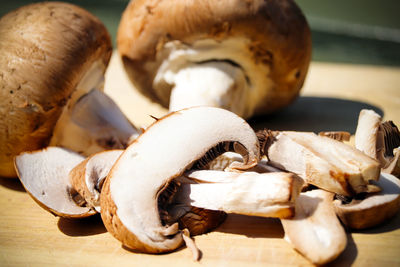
point(88, 176)
point(170, 146)
point(337, 135)
point(379, 140)
point(250, 57)
point(44, 174)
point(249, 193)
point(324, 162)
point(315, 231)
point(374, 208)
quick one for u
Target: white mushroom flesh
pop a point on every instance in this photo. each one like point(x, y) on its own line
point(44, 174)
point(215, 77)
point(248, 193)
point(322, 161)
point(163, 152)
point(91, 121)
point(315, 231)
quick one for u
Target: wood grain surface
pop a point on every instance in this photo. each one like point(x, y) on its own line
point(331, 99)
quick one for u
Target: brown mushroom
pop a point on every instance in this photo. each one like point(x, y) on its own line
point(44, 174)
point(53, 57)
point(315, 231)
point(250, 57)
point(371, 209)
point(321, 161)
point(183, 140)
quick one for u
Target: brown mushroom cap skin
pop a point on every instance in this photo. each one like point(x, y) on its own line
point(45, 49)
point(278, 34)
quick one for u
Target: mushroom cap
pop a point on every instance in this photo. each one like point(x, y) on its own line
point(45, 50)
point(44, 175)
point(274, 40)
point(129, 197)
point(375, 208)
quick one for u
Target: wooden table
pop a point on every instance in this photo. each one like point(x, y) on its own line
point(331, 99)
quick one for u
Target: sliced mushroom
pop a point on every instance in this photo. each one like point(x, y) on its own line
point(315, 231)
point(324, 162)
point(250, 57)
point(44, 174)
point(374, 208)
point(380, 140)
point(337, 135)
point(88, 176)
point(178, 142)
point(53, 57)
point(248, 193)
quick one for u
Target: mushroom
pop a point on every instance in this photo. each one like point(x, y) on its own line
point(374, 208)
point(250, 57)
point(379, 140)
point(315, 231)
point(321, 161)
point(44, 174)
point(181, 141)
point(52, 61)
point(88, 176)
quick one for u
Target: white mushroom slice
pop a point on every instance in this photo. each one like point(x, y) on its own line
point(88, 177)
point(129, 198)
point(248, 193)
point(52, 54)
point(379, 140)
point(315, 231)
point(324, 162)
point(375, 208)
point(44, 174)
point(249, 57)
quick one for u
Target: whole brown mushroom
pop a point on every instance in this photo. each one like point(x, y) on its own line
point(53, 56)
point(250, 57)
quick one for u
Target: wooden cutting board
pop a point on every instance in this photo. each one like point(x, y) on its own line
point(331, 99)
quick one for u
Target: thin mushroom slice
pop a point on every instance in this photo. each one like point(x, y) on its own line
point(173, 144)
point(88, 176)
point(379, 140)
point(337, 135)
point(374, 208)
point(315, 231)
point(248, 193)
point(324, 162)
point(44, 174)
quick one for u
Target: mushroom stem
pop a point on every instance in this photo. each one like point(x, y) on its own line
point(213, 83)
point(248, 193)
point(92, 122)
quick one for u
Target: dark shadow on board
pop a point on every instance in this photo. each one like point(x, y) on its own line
point(92, 225)
point(315, 114)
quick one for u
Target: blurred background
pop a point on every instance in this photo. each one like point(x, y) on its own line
point(344, 31)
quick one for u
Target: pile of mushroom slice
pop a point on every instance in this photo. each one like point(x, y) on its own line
point(52, 78)
point(156, 193)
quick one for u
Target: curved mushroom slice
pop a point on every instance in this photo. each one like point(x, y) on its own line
point(324, 162)
point(250, 57)
point(53, 57)
point(379, 140)
point(337, 135)
point(315, 231)
point(88, 176)
point(248, 193)
point(173, 144)
point(375, 208)
point(44, 174)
